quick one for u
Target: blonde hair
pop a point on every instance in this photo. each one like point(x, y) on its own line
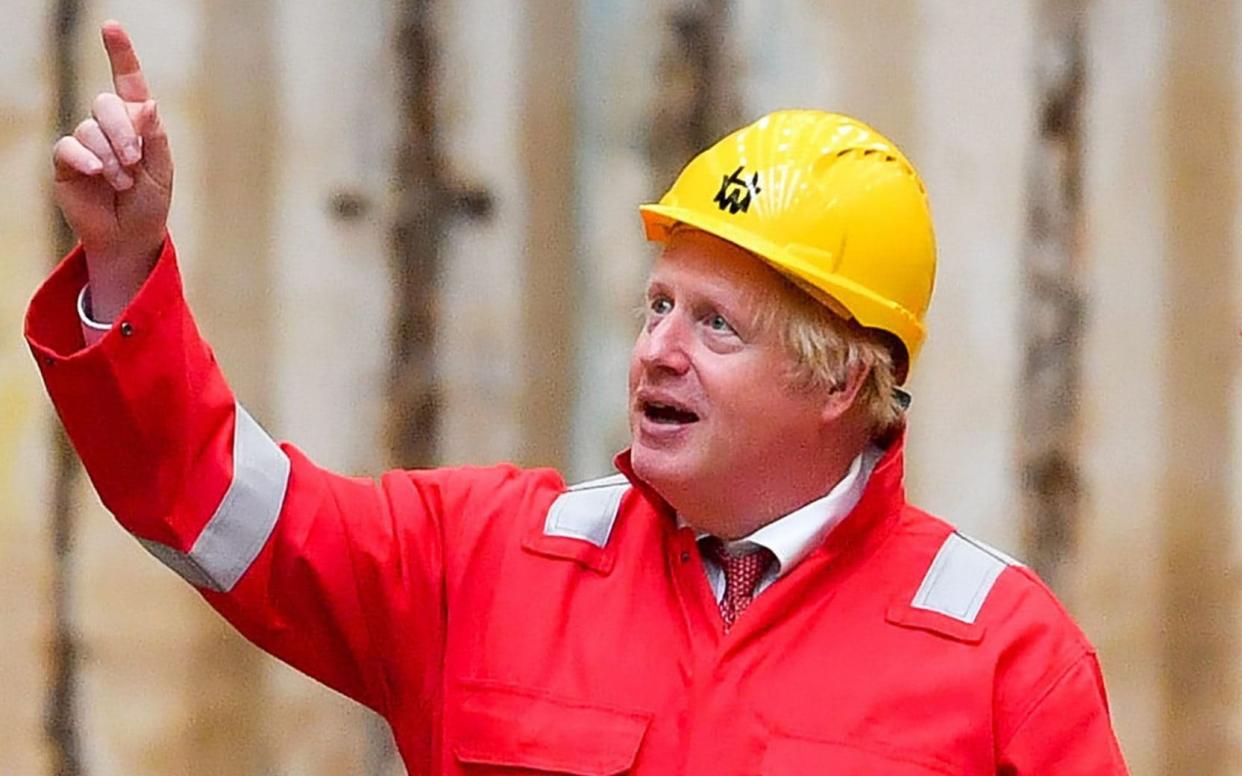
point(826, 347)
point(826, 343)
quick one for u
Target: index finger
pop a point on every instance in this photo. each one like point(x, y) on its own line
point(127, 77)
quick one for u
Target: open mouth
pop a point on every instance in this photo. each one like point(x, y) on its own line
point(667, 414)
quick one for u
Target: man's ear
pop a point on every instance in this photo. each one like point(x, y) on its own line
point(840, 399)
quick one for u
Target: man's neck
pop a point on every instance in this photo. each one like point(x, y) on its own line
point(731, 513)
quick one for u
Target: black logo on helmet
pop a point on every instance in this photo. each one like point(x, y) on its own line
point(735, 192)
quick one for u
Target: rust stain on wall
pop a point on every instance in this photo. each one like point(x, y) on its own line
point(423, 205)
point(61, 704)
point(696, 103)
point(1053, 299)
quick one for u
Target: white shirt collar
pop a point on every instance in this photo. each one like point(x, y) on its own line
point(793, 536)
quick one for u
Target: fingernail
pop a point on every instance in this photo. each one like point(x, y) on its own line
point(122, 181)
point(132, 153)
point(94, 166)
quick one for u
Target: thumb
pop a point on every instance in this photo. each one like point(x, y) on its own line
point(156, 154)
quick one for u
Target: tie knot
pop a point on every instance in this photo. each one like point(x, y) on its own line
point(742, 572)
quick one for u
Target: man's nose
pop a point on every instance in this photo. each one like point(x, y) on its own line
point(665, 343)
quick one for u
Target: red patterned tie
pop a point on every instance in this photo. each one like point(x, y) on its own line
point(742, 573)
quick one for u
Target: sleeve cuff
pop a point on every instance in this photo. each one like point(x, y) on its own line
point(58, 322)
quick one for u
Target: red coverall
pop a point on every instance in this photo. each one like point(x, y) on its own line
point(501, 623)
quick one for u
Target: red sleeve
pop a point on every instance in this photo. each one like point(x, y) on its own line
point(335, 575)
point(1066, 730)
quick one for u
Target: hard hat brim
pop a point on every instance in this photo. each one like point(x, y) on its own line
point(829, 288)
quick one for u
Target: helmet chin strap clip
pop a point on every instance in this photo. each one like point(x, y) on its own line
point(902, 397)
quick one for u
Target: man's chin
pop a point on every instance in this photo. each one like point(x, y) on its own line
point(660, 468)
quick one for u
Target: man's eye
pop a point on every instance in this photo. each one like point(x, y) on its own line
point(718, 323)
point(661, 305)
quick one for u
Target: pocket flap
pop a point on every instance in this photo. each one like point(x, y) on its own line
point(787, 756)
point(934, 622)
point(493, 724)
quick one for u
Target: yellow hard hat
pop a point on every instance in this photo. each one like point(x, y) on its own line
point(826, 200)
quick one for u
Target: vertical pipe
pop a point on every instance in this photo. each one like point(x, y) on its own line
point(61, 712)
point(1116, 583)
point(874, 51)
point(236, 206)
point(1052, 305)
point(550, 292)
point(1200, 363)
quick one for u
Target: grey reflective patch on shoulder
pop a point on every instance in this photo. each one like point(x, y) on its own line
point(960, 578)
point(245, 518)
point(588, 510)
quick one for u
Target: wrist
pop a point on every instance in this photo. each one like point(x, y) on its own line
point(114, 278)
point(135, 257)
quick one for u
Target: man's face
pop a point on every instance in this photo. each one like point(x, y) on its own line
point(711, 408)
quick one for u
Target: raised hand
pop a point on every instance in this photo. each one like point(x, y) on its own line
point(114, 181)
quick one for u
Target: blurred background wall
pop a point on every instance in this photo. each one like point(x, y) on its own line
point(409, 229)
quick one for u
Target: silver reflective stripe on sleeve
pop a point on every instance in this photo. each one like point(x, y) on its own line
point(243, 521)
point(960, 578)
point(587, 511)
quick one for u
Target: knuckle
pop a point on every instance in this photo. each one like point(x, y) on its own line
point(104, 101)
point(86, 129)
point(61, 148)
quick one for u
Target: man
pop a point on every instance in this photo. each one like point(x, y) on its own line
point(752, 594)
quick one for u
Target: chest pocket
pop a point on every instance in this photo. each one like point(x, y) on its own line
point(492, 728)
point(788, 756)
